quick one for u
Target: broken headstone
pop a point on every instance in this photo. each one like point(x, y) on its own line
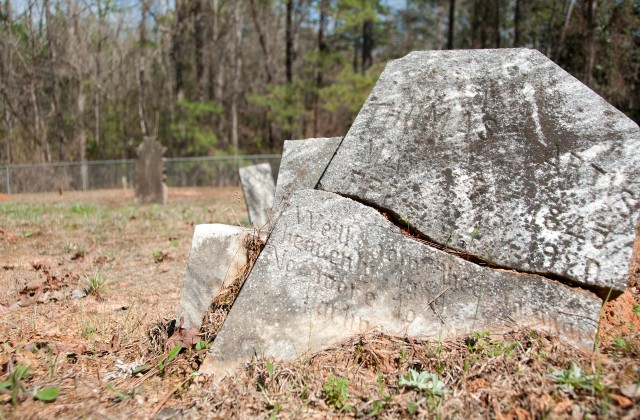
point(334, 267)
point(259, 189)
point(150, 186)
point(501, 154)
point(302, 165)
point(218, 256)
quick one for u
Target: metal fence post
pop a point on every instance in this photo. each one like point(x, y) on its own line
point(8, 172)
point(84, 172)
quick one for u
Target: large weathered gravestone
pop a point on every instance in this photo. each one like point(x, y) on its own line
point(501, 154)
point(150, 186)
point(333, 267)
point(218, 256)
point(259, 189)
point(302, 165)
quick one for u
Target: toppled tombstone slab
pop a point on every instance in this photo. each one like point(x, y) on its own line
point(259, 190)
point(150, 186)
point(302, 165)
point(334, 267)
point(500, 154)
point(218, 256)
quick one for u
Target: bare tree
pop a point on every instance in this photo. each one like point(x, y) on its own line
point(262, 38)
point(289, 43)
point(322, 52)
point(237, 72)
point(452, 20)
point(516, 24)
point(53, 63)
point(565, 28)
point(590, 40)
point(142, 30)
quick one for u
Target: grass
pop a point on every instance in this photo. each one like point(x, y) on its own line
point(79, 346)
point(96, 284)
point(335, 392)
point(573, 378)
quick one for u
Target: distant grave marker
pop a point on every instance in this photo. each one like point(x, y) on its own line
point(259, 189)
point(150, 186)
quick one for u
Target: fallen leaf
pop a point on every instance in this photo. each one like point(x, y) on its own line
point(630, 390)
point(11, 237)
point(34, 285)
point(518, 413)
point(623, 402)
point(186, 338)
point(473, 386)
point(562, 406)
point(57, 348)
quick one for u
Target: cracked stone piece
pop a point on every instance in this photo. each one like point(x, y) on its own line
point(218, 255)
point(334, 267)
point(302, 165)
point(502, 154)
point(259, 190)
point(150, 186)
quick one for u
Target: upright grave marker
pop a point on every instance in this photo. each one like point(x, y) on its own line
point(333, 267)
point(501, 154)
point(302, 165)
point(259, 189)
point(150, 186)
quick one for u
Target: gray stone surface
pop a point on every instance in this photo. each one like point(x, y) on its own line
point(506, 144)
point(302, 165)
point(150, 186)
point(333, 267)
point(259, 190)
point(218, 255)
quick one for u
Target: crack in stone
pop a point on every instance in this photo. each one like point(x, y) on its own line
point(411, 232)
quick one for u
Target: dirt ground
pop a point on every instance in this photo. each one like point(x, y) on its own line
point(106, 355)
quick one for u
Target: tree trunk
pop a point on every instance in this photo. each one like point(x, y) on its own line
point(53, 62)
point(367, 44)
point(475, 24)
point(483, 26)
point(82, 136)
point(102, 13)
point(516, 25)
point(439, 35)
point(289, 43)
point(7, 77)
point(322, 51)
point(40, 129)
point(237, 71)
point(178, 33)
point(590, 41)
point(497, 23)
point(565, 27)
point(142, 112)
point(262, 39)
point(213, 45)
point(199, 33)
point(452, 20)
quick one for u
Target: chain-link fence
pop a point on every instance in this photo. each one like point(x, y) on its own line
point(211, 171)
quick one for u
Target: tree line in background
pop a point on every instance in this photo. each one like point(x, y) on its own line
point(88, 79)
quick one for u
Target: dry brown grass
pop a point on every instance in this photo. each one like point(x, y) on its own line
point(497, 376)
point(88, 347)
